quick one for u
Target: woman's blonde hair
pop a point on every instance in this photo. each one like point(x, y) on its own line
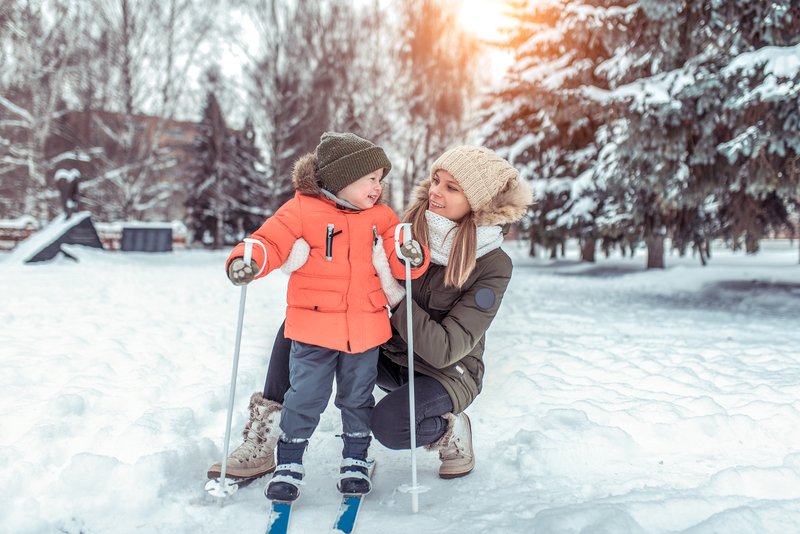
point(461, 261)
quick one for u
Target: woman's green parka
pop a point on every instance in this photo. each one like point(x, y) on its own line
point(450, 325)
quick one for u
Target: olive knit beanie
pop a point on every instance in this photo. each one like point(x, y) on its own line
point(343, 158)
point(479, 171)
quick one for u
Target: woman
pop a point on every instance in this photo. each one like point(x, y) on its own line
point(459, 213)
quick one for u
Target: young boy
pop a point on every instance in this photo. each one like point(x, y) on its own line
point(336, 315)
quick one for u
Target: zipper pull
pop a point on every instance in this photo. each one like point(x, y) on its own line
point(374, 235)
point(329, 243)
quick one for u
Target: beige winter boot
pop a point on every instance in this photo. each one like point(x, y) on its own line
point(256, 456)
point(455, 447)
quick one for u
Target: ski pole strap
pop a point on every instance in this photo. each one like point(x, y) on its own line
point(250, 242)
point(406, 229)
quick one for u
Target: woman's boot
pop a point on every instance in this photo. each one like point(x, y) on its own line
point(256, 456)
point(455, 447)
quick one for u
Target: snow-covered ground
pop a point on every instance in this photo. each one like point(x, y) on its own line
point(616, 400)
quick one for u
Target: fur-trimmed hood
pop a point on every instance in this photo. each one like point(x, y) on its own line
point(508, 206)
point(305, 179)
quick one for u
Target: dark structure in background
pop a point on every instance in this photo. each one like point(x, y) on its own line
point(82, 232)
point(146, 239)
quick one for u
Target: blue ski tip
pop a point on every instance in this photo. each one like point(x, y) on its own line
point(279, 517)
point(348, 512)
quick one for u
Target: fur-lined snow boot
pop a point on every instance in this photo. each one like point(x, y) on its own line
point(455, 447)
point(288, 477)
point(256, 456)
point(354, 471)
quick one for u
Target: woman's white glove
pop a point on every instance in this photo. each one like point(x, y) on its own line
point(412, 251)
point(240, 273)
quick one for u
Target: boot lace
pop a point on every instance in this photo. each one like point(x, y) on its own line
point(454, 450)
point(249, 450)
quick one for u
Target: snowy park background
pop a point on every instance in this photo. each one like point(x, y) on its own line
point(617, 400)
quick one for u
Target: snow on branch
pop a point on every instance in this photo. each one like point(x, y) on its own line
point(525, 142)
point(781, 61)
point(18, 110)
point(13, 161)
point(746, 143)
point(658, 89)
point(777, 62)
point(76, 156)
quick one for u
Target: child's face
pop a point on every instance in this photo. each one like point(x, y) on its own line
point(446, 198)
point(364, 192)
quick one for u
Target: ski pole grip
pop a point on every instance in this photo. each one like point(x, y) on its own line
point(400, 227)
point(248, 250)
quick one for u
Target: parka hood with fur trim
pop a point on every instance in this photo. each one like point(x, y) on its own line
point(508, 206)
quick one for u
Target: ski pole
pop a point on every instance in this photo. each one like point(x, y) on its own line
point(414, 489)
point(221, 488)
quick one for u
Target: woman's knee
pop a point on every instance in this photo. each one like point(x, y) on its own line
point(387, 427)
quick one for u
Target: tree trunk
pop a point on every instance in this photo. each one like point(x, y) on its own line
point(751, 244)
point(701, 251)
point(587, 250)
point(655, 253)
point(553, 253)
point(532, 252)
point(563, 249)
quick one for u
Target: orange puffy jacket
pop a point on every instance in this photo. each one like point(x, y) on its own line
point(335, 299)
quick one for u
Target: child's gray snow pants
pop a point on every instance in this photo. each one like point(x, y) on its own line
point(311, 372)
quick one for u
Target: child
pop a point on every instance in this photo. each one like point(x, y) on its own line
point(336, 315)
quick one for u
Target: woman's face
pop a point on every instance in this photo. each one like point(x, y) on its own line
point(446, 198)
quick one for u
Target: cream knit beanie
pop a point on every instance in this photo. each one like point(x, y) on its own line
point(480, 172)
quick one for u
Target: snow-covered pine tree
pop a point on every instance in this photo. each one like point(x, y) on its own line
point(688, 137)
point(758, 146)
point(208, 206)
point(677, 168)
point(543, 121)
point(248, 195)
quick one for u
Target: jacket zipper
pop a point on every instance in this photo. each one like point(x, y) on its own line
point(329, 243)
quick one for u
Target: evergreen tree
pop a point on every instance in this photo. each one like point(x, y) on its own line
point(212, 179)
point(638, 120)
point(229, 197)
point(546, 123)
point(249, 195)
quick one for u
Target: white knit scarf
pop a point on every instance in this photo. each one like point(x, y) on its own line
point(442, 233)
